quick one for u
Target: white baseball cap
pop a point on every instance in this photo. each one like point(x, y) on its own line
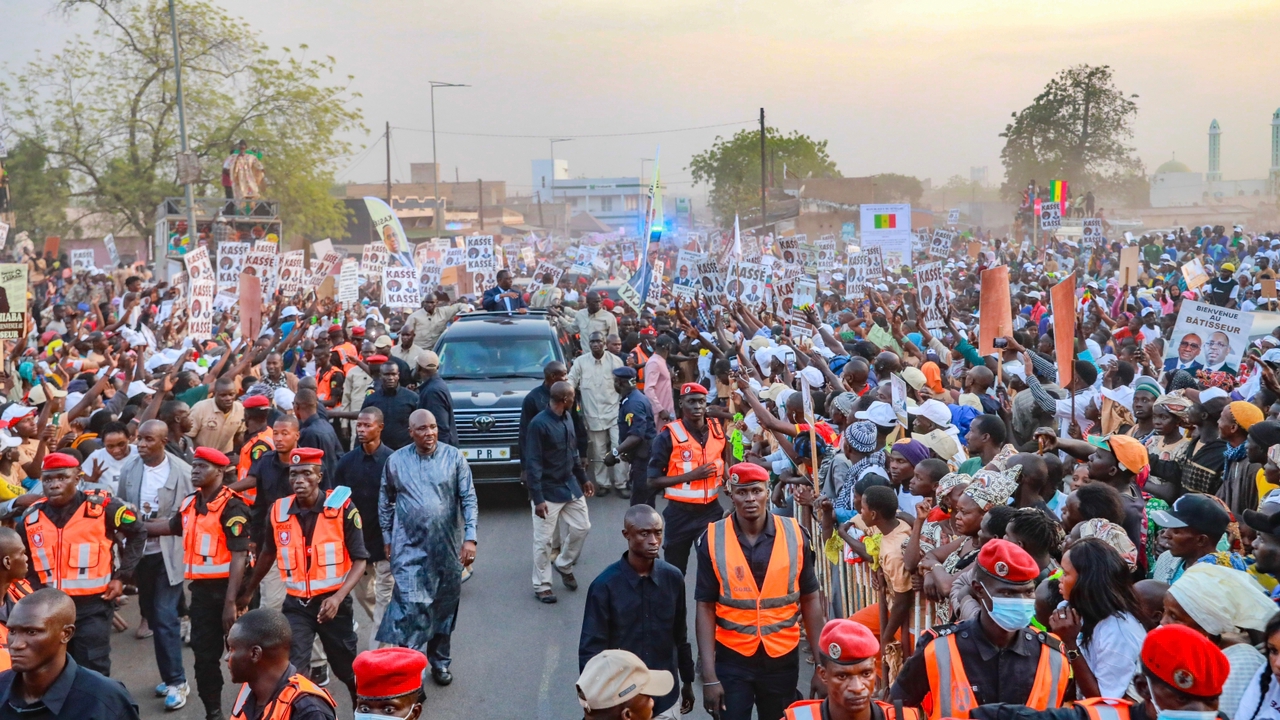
point(880, 413)
point(614, 677)
point(936, 410)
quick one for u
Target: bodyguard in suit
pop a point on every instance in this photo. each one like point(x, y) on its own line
point(155, 482)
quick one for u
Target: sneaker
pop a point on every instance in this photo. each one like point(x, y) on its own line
point(176, 698)
point(161, 690)
point(467, 572)
point(320, 675)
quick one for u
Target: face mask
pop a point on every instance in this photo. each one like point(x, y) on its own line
point(376, 716)
point(1178, 714)
point(1011, 613)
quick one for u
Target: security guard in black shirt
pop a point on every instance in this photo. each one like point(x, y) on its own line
point(636, 431)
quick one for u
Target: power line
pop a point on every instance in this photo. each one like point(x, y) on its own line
point(361, 157)
point(576, 137)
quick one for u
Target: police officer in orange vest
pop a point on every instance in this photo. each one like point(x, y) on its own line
point(687, 464)
point(848, 669)
point(994, 657)
point(1182, 676)
point(13, 584)
point(755, 587)
point(258, 438)
point(316, 541)
point(258, 650)
point(69, 537)
point(214, 524)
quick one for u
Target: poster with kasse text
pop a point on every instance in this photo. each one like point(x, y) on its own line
point(400, 287)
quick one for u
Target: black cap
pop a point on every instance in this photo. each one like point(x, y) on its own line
point(1266, 518)
point(625, 372)
point(1199, 512)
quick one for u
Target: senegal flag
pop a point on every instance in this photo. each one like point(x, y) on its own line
point(886, 222)
point(1058, 193)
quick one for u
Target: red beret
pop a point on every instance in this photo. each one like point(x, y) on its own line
point(648, 332)
point(1008, 562)
point(691, 388)
point(388, 672)
point(213, 456)
point(59, 461)
point(256, 401)
point(1186, 660)
point(375, 359)
point(306, 456)
point(357, 331)
point(846, 642)
point(335, 328)
point(747, 473)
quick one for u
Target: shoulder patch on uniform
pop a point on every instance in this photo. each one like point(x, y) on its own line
point(629, 416)
point(237, 519)
point(236, 526)
point(354, 517)
point(125, 516)
point(257, 450)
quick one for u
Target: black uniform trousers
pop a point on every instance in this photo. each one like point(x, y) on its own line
point(684, 524)
point(338, 636)
point(91, 645)
point(637, 478)
point(207, 638)
point(766, 684)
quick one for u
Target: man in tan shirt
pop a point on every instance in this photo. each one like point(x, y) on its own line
point(428, 322)
point(216, 421)
point(407, 350)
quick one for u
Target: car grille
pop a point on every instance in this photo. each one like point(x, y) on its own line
point(504, 430)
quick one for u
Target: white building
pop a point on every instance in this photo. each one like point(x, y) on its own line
point(1176, 185)
point(614, 201)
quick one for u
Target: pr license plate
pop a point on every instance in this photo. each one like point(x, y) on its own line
point(503, 453)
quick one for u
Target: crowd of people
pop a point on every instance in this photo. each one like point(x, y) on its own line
point(249, 491)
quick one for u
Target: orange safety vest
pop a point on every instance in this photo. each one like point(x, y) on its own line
point(204, 546)
point(812, 710)
point(747, 616)
point(1099, 708)
point(76, 558)
point(308, 569)
point(324, 384)
point(264, 435)
point(348, 354)
point(18, 589)
point(641, 358)
point(687, 454)
point(281, 708)
point(951, 696)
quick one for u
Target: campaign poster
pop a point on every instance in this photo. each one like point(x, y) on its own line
point(230, 262)
point(1092, 234)
point(454, 257)
point(582, 264)
point(710, 280)
point(895, 252)
point(628, 251)
point(857, 276)
point(544, 269)
point(428, 278)
point(789, 250)
point(748, 283)
point(931, 286)
point(198, 265)
point(656, 283)
point(13, 301)
point(292, 272)
point(263, 266)
point(800, 327)
point(874, 262)
point(386, 227)
point(1208, 337)
point(82, 259)
point(400, 288)
point(826, 247)
point(109, 241)
point(349, 282)
point(373, 258)
point(480, 254)
point(953, 216)
point(1050, 216)
point(804, 292)
point(886, 222)
point(684, 279)
point(200, 308)
point(266, 246)
point(940, 245)
point(325, 268)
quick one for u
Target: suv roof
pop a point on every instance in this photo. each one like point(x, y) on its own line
point(476, 324)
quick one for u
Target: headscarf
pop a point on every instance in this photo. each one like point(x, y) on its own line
point(932, 376)
point(1113, 535)
point(913, 451)
point(1246, 414)
point(1221, 599)
point(1177, 404)
point(993, 487)
point(1183, 380)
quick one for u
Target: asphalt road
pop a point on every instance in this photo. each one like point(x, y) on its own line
point(513, 657)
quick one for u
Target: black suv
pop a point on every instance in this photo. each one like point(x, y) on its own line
point(491, 360)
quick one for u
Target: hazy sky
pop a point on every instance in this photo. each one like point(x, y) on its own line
point(921, 87)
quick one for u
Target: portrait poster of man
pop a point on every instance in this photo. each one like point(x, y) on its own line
point(1208, 337)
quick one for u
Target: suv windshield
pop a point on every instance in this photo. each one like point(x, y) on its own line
point(496, 357)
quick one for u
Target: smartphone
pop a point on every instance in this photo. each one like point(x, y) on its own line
point(733, 364)
point(1001, 342)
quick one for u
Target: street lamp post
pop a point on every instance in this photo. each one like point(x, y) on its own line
point(640, 208)
point(553, 171)
point(437, 217)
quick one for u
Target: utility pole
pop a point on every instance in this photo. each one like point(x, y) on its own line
point(437, 215)
point(480, 201)
point(162, 254)
point(388, 164)
point(764, 212)
point(541, 224)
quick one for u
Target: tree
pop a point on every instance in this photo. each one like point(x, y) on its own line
point(1076, 129)
point(104, 110)
point(38, 193)
point(732, 167)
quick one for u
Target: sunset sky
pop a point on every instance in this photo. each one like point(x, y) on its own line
point(910, 86)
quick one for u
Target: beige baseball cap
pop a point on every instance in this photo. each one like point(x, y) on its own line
point(383, 341)
point(428, 360)
point(615, 676)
